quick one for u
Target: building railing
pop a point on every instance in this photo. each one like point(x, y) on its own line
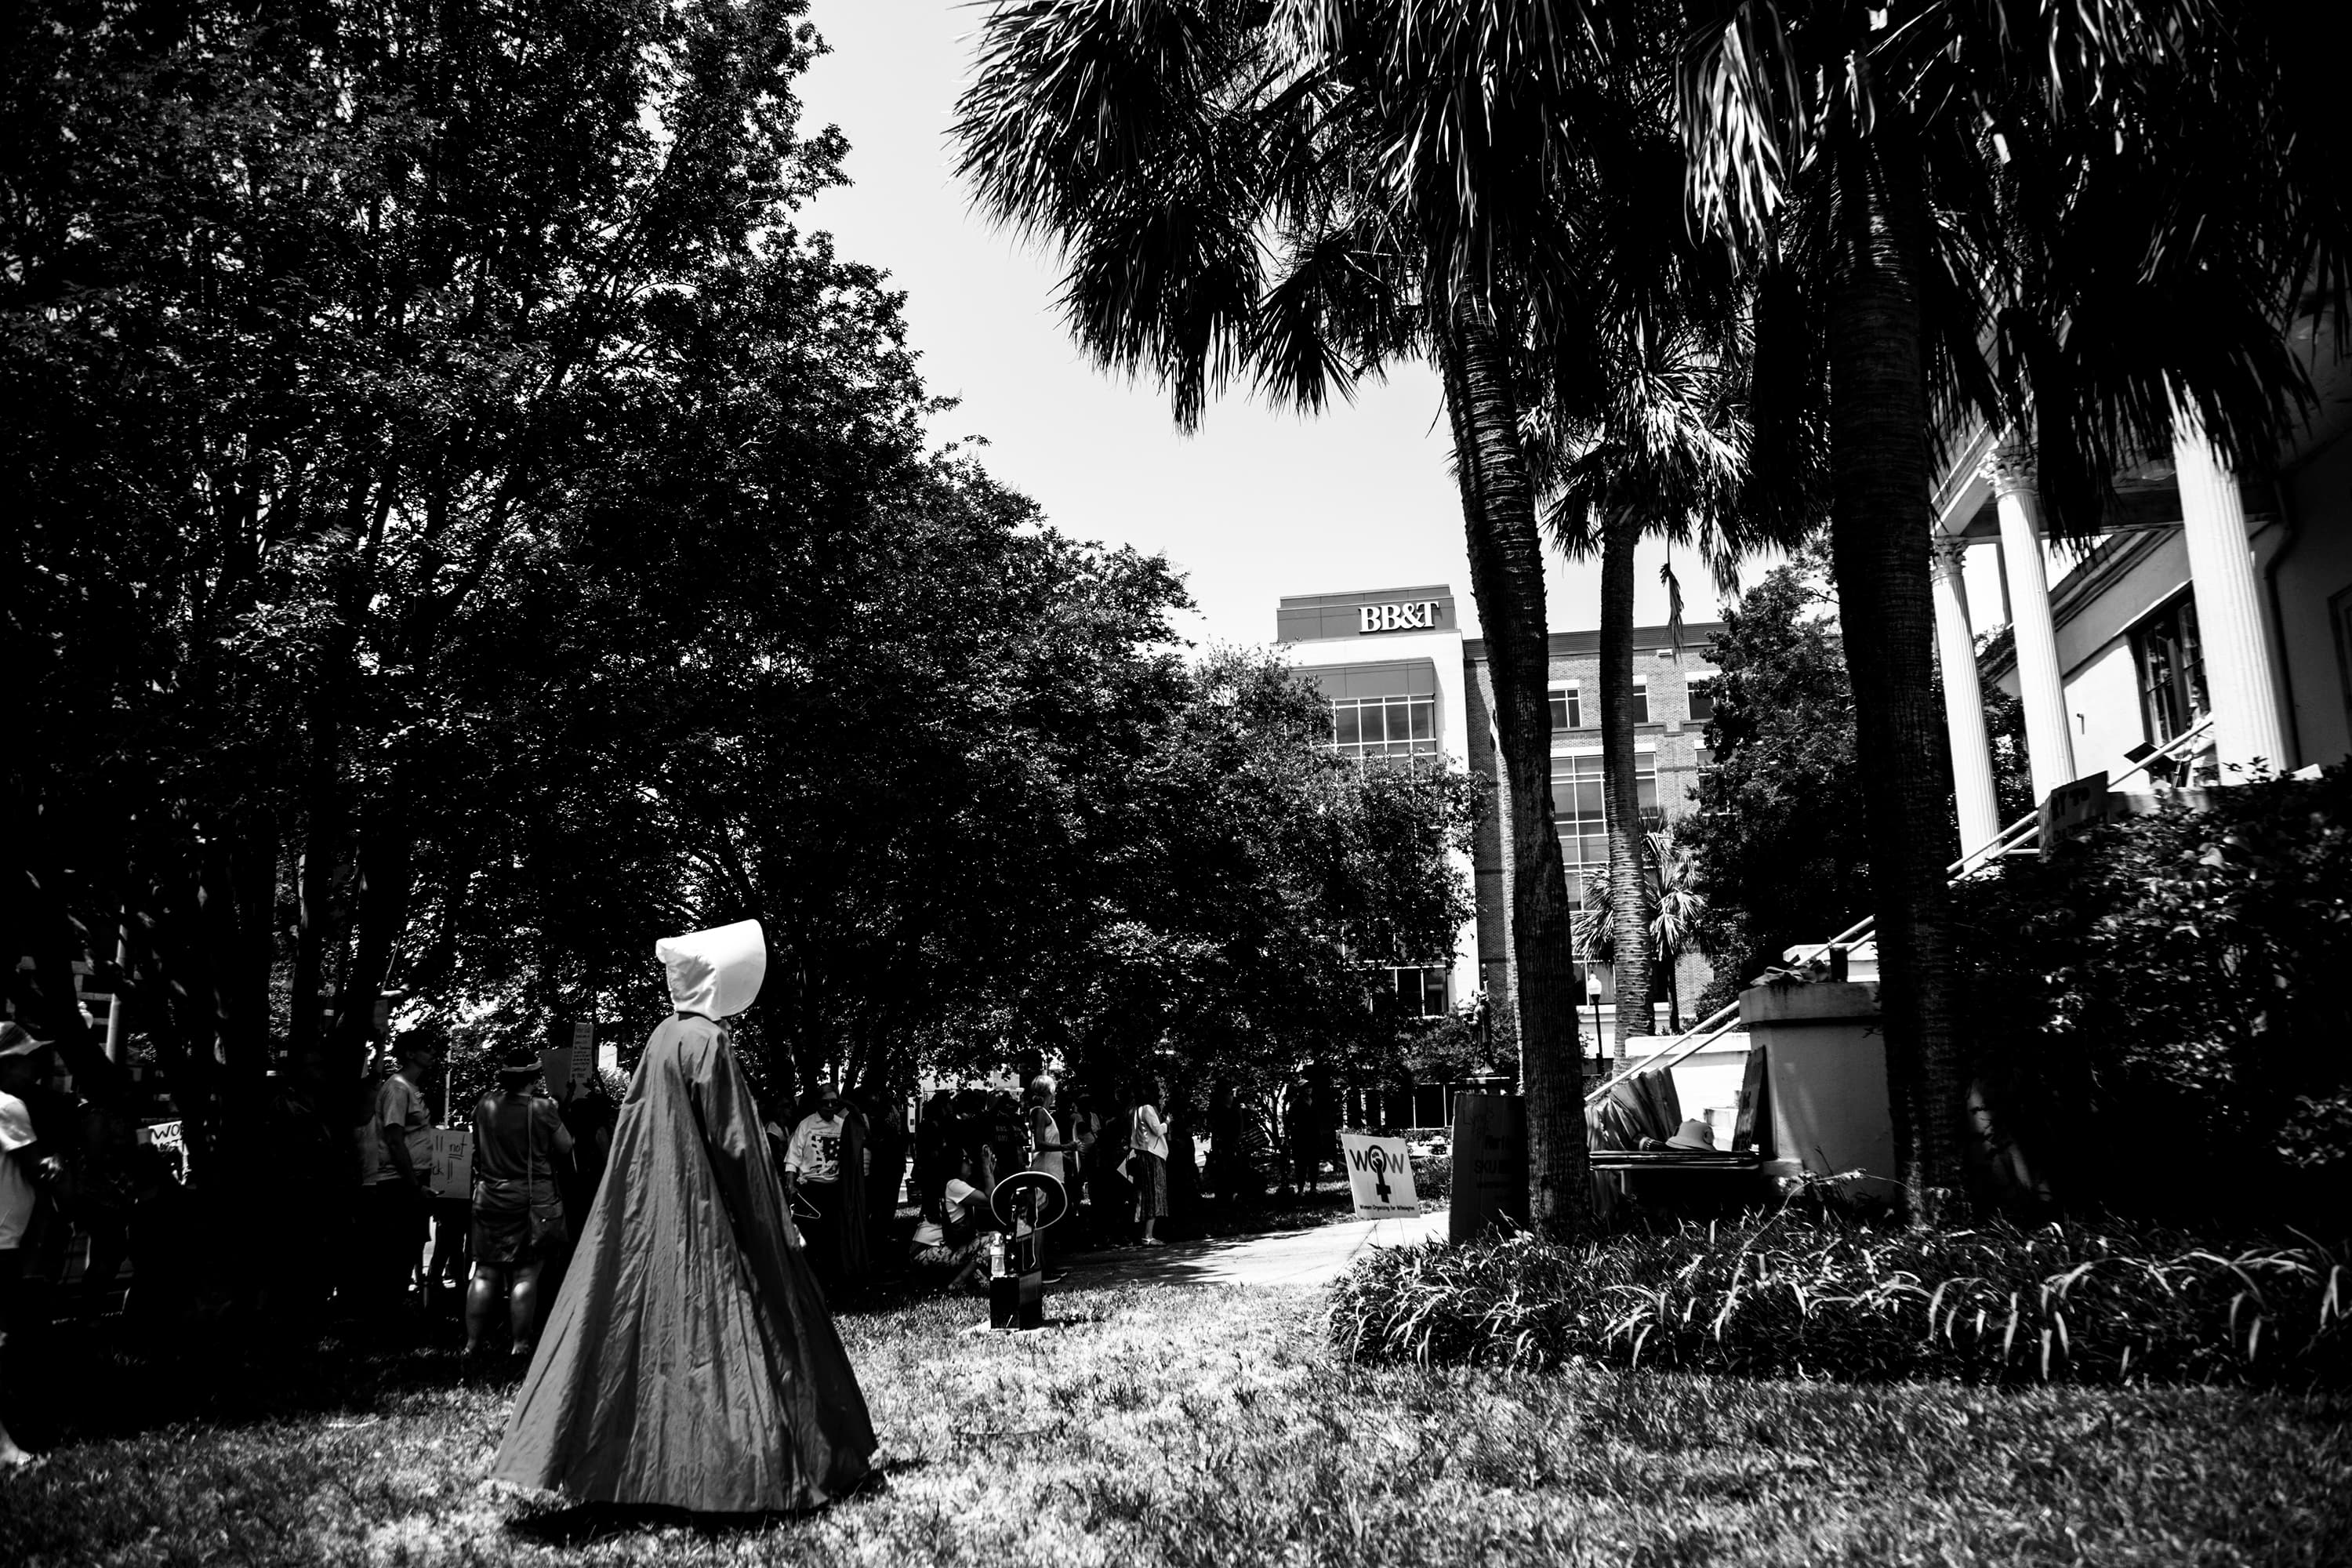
point(2016, 836)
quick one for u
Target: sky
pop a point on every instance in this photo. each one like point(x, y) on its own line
point(1260, 503)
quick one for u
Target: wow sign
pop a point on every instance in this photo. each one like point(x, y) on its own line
point(1379, 1174)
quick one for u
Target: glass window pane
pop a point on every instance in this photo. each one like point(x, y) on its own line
point(1558, 710)
point(1645, 791)
point(1641, 705)
point(1375, 723)
point(1345, 713)
point(1424, 721)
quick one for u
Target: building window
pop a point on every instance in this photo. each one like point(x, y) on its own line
point(1583, 821)
point(1702, 701)
point(2171, 670)
point(1420, 989)
point(1365, 729)
point(1567, 708)
point(1641, 700)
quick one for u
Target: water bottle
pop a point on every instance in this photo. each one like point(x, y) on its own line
point(995, 1255)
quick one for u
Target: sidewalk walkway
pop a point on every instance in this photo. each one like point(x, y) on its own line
point(1293, 1259)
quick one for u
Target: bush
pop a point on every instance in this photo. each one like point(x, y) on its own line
point(2157, 1011)
point(1434, 1177)
point(1774, 1300)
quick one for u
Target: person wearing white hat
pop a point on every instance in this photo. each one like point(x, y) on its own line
point(689, 1361)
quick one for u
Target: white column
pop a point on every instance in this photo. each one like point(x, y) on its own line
point(1956, 654)
point(2041, 687)
point(2238, 676)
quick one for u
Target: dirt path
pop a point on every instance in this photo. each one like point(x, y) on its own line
point(1292, 1259)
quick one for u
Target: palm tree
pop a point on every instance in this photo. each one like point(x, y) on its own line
point(1213, 174)
point(1920, 182)
point(1670, 909)
point(1667, 459)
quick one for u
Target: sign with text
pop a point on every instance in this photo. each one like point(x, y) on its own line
point(1379, 1175)
point(453, 1163)
point(2072, 807)
point(1419, 615)
point(583, 1051)
point(1490, 1165)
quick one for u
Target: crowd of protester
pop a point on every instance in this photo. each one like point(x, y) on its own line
point(880, 1188)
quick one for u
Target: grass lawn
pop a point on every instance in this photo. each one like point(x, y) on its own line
point(1163, 1424)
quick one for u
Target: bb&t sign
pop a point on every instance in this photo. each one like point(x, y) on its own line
point(1417, 615)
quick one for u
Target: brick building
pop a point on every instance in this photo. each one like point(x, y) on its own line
point(1404, 683)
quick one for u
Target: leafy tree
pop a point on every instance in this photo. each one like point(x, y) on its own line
point(1300, 196)
point(2151, 1009)
point(2076, 216)
point(1667, 459)
point(1780, 854)
point(319, 324)
point(1671, 910)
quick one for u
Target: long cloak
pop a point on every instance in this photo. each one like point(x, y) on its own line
point(690, 1359)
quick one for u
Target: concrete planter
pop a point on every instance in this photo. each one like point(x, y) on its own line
point(1826, 1067)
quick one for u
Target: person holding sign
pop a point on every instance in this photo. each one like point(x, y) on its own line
point(689, 1362)
point(517, 1202)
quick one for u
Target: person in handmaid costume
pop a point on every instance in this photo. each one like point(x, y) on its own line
point(690, 1361)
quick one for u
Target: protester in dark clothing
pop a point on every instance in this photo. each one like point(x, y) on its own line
point(933, 1163)
point(1183, 1164)
point(886, 1173)
point(689, 1362)
point(589, 1116)
point(520, 1144)
point(396, 1189)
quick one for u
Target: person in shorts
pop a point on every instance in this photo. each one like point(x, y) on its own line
point(520, 1147)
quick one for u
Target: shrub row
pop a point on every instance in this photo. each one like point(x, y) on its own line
point(1775, 1299)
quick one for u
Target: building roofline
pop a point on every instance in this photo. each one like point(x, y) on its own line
point(1645, 640)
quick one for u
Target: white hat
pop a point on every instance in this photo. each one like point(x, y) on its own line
point(715, 972)
point(1693, 1135)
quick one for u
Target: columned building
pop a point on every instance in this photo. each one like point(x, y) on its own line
point(2213, 600)
point(1404, 684)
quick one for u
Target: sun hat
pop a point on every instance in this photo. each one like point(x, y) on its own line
point(520, 1061)
point(1693, 1135)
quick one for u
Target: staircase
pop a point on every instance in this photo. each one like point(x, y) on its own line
point(2022, 837)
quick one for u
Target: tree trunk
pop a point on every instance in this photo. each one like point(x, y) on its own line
point(1507, 577)
point(1881, 479)
point(1628, 897)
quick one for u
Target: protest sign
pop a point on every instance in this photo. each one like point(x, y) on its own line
point(583, 1053)
point(453, 1163)
point(1379, 1175)
point(1490, 1165)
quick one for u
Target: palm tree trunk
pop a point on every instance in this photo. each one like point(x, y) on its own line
point(1507, 577)
point(1620, 794)
point(1879, 524)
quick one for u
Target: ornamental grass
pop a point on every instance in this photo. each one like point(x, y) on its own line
point(1776, 1298)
